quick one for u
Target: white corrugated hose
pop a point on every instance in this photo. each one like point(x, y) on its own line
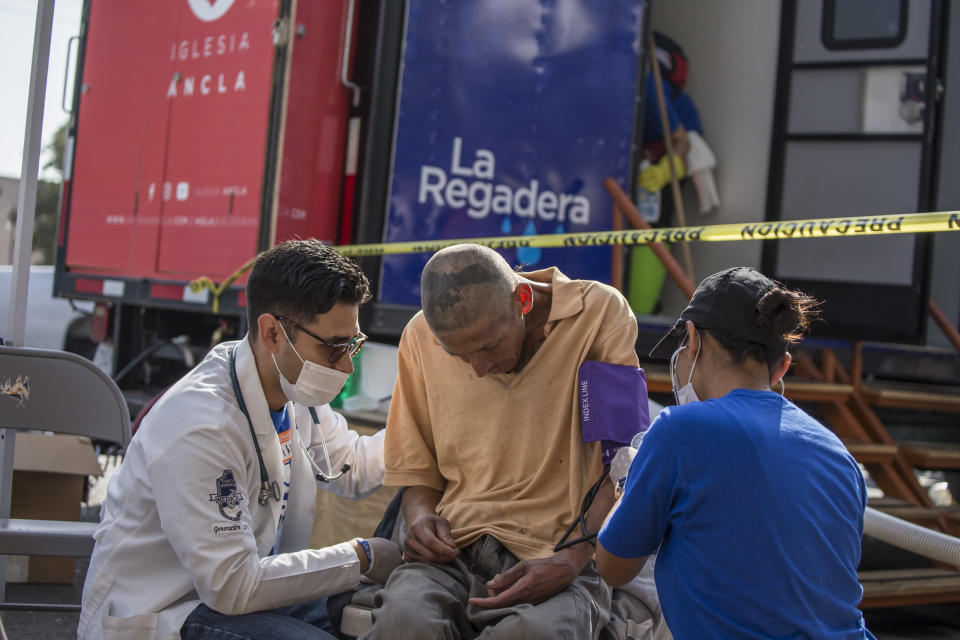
point(906, 535)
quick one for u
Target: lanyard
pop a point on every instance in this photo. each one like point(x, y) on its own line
point(272, 489)
point(267, 489)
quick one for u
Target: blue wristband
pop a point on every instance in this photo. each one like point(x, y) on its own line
point(366, 550)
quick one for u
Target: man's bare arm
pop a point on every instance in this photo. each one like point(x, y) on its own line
point(428, 535)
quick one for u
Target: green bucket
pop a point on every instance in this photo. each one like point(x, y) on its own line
point(352, 386)
point(647, 274)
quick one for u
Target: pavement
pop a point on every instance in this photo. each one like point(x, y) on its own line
point(39, 624)
point(928, 622)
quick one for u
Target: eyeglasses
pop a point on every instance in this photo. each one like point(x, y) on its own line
point(337, 349)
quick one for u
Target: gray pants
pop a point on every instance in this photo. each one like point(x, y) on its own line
point(427, 601)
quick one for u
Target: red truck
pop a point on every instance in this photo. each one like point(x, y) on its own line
point(204, 131)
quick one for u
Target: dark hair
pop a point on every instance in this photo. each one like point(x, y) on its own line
point(785, 314)
point(300, 279)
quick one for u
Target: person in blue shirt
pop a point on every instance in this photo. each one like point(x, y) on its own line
point(755, 507)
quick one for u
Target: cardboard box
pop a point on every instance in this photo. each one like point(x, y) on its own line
point(48, 475)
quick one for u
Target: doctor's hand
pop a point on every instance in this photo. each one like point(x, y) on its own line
point(532, 581)
point(384, 558)
point(429, 540)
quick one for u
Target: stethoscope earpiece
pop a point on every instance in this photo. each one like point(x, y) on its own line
point(318, 473)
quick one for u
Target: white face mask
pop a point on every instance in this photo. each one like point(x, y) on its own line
point(686, 393)
point(316, 384)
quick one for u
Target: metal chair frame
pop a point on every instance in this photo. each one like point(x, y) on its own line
point(59, 392)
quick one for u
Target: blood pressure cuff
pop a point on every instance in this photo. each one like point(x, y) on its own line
point(613, 404)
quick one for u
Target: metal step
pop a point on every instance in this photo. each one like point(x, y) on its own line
point(909, 586)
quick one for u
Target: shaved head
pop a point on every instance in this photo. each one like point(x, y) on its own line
point(465, 285)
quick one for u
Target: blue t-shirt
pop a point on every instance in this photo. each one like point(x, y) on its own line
point(281, 422)
point(757, 510)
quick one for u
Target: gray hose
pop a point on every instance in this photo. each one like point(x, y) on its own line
point(912, 537)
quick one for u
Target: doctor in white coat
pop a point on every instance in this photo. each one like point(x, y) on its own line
point(206, 524)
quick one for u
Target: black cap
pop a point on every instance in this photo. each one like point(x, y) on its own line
point(726, 301)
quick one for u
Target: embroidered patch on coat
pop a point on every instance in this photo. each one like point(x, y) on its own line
point(228, 497)
point(230, 529)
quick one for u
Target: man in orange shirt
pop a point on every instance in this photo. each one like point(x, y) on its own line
point(484, 433)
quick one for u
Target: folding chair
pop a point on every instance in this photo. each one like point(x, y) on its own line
point(46, 390)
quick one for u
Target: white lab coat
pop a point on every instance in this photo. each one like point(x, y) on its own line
point(166, 542)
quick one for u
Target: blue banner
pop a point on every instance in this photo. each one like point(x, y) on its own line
point(510, 116)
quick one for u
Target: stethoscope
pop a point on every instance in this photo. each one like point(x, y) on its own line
point(270, 489)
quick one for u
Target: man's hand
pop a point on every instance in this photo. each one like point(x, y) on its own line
point(429, 540)
point(532, 581)
point(535, 581)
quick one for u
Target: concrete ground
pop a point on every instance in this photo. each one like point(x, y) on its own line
point(36, 624)
point(929, 622)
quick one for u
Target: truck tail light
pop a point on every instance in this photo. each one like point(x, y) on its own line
point(99, 322)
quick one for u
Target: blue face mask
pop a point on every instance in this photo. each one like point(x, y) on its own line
point(685, 394)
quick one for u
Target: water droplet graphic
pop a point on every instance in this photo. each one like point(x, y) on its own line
point(529, 255)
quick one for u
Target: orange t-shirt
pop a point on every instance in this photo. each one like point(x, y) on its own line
point(506, 450)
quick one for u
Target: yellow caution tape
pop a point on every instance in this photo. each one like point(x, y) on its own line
point(782, 230)
point(204, 282)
